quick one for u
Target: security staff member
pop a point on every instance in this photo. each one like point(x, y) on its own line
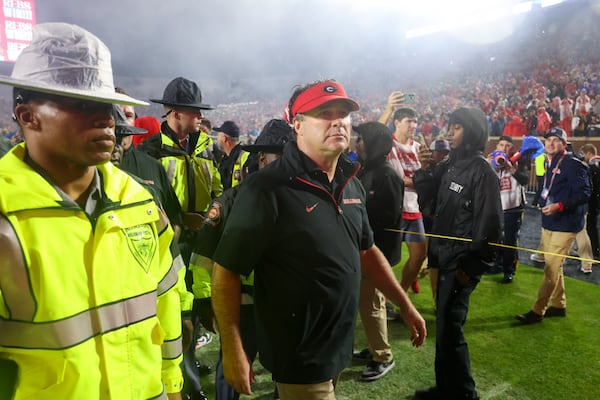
point(89, 307)
point(151, 174)
point(231, 165)
point(128, 158)
point(184, 150)
point(464, 199)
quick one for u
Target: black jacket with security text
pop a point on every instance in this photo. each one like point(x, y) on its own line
point(464, 199)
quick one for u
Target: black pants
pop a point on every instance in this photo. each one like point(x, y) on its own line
point(508, 258)
point(248, 335)
point(452, 362)
point(190, 366)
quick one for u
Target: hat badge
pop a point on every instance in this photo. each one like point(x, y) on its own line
point(329, 89)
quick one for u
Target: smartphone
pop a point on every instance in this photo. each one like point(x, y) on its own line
point(410, 98)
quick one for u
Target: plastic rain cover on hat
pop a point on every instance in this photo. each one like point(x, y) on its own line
point(69, 61)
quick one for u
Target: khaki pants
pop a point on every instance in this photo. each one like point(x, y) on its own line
point(314, 391)
point(371, 307)
point(552, 289)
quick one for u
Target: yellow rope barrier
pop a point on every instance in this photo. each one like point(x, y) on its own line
point(493, 244)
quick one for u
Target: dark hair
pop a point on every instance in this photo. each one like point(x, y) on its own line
point(404, 112)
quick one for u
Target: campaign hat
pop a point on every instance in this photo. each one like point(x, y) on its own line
point(182, 92)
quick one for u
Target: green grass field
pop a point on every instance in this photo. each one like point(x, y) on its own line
point(558, 359)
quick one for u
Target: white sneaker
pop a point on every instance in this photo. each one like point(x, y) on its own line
point(586, 270)
point(537, 257)
point(203, 340)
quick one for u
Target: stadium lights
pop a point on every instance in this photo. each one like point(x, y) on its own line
point(472, 15)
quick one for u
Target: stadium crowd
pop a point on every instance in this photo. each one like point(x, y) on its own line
point(568, 91)
point(196, 158)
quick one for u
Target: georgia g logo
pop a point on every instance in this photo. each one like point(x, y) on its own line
point(329, 89)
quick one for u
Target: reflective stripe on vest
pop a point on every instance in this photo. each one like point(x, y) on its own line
point(171, 171)
point(14, 279)
point(169, 280)
point(171, 349)
point(77, 329)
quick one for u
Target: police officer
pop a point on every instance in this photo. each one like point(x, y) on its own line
point(230, 167)
point(183, 150)
point(90, 306)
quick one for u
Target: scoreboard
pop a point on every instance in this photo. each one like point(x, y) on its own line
point(17, 18)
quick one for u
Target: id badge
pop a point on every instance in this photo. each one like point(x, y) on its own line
point(544, 193)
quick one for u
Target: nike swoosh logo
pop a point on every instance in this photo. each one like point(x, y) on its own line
point(311, 208)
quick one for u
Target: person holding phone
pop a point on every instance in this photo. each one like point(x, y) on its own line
point(404, 157)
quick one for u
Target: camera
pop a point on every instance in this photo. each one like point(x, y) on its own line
point(410, 98)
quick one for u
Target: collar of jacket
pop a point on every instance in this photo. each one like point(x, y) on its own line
point(170, 133)
point(301, 165)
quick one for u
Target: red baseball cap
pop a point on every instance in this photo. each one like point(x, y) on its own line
point(320, 94)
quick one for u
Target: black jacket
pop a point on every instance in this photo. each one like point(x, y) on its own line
point(594, 172)
point(153, 174)
point(302, 236)
point(463, 196)
point(385, 194)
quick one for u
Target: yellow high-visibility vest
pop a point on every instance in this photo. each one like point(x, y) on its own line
point(89, 307)
point(195, 178)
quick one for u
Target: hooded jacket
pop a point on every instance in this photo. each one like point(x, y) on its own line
point(384, 189)
point(464, 200)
